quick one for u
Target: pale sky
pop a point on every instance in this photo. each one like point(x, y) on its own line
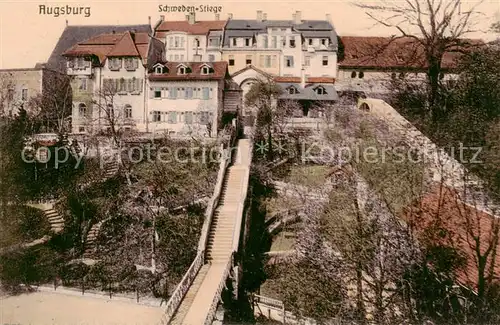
point(26, 37)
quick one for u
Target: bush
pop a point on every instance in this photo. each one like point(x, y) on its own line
point(22, 224)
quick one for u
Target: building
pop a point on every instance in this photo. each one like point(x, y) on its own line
point(109, 80)
point(281, 47)
point(370, 63)
point(191, 40)
point(19, 86)
point(73, 35)
point(190, 98)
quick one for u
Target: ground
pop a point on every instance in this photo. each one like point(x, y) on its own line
point(43, 308)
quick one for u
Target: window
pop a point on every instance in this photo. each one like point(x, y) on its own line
point(213, 42)
point(176, 41)
point(393, 75)
point(211, 58)
point(188, 117)
point(156, 116)
point(171, 41)
point(310, 41)
point(176, 57)
point(81, 129)
point(325, 60)
point(320, 91)
point(172, 94)
point(130, 64)
point(206, 93)
point(289, 61)
point(231, 60)
point(182, 57)
point(204, 117)
point(292, 41)
point(172, 117)
point(268, 61)
point(157, 93)
point(248, 59)
point(128, 111)
point(234, 42)
point(196, 43)
point(83, 84)
point(275, 42)
point(247, 42)
point(265, 41)
point(307, 61)
point(115, 64)
point(182, 70)
point(82, 110)
point(24, 94)
point(159, 69)
point(189, 93)
point(122, 85)
point(361, 75)
point(323, 41)
point(353, 74)
point(292, 90)
point(205, 70)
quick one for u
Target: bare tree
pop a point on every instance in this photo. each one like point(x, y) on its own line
point(438, 26)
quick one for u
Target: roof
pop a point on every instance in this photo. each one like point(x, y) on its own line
point(326, 80)
point(389, 53)
point(308, 28)
point(220, 71)
point(198, 28)
point(456, 218)
point(109, 45)
point(308, 92)
point(75, 34)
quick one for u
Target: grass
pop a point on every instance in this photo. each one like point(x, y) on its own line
point(308, 175)
point(284, 241)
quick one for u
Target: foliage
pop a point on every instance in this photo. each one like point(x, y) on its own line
point(22, 224)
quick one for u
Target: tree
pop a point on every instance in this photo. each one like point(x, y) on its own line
point(54, 104)
point(438, 26)
point(264, 95)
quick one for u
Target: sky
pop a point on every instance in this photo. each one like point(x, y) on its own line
point(28, 37)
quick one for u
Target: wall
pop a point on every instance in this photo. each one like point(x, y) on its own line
point(187, 53)
point(240, 56)
point(29, 79)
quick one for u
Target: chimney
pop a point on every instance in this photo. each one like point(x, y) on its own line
point(162, 18)
point(66, 23)
point(302, 78)
point(329, 18)
point(191, 18)
point(259, 15)
point(230, 16)
point(298, 17)
point(217, 17)
point(187, 17)
point(264, 16)
point(149, 20)
point(294, 18)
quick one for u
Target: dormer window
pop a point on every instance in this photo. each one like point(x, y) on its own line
point(206, 69)
point(160, 69)
point(182, 69)
point(320, 90)
point(292, 90)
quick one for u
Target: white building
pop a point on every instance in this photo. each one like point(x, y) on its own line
point(190, 98)
point(282, 47)
point(109, 78)
point(191, 40)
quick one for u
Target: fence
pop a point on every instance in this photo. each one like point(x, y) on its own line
point(213, 307)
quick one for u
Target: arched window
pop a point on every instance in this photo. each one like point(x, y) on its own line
point(82, 110)
point(127, 111)
point(361, 74)
point(353, 74)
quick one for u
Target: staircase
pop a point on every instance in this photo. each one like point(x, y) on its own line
point(200, 301)
point(110, 169)
point(90, 245)
point(55, 219)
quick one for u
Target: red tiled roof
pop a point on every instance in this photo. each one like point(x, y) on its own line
point(387, 52)
point(220, 71)
point(322, 80)
point(119, 44)
point(198, 28)
point(442, 208)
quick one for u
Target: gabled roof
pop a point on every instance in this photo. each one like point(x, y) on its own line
point(442, 207)
point(220, 72)
point(75, 34)
point(198, 28)
point(390, 53)
point(112, 45)
point(251, 67)
point(308, 92)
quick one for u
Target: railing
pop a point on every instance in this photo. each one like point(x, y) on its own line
point(183, 287)
point(217, 296)
point(214, 200)
point(268, 301)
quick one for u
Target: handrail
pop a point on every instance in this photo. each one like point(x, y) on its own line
point(213, 308)
point(268, 301)
point(214, 200)
point(179, 293)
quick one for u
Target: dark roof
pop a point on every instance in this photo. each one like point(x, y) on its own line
point(220, 71)
point(390, 53)
point(308, 92)
point(308, 28)
point(75, 34)
point(323, 80)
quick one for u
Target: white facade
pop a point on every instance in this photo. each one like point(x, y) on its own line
point(128, 99)
point(185, 107)
point(184, 47)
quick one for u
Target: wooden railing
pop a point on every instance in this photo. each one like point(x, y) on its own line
point(217, 296)
point(183, 287)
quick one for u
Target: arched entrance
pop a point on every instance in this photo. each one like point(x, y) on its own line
point(248, 113)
